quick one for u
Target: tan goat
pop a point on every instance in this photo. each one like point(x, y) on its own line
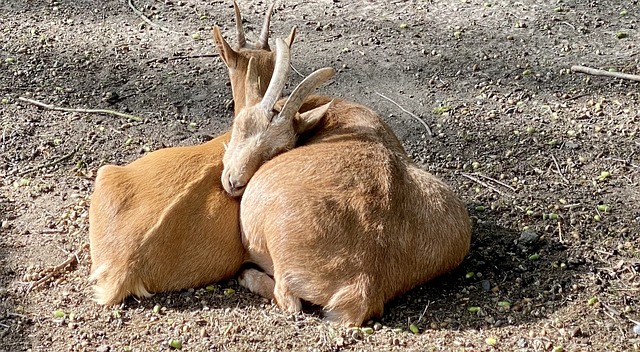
point(335, 211)
point(164, 222)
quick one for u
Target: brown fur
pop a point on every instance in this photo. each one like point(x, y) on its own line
point(163, 222)
point(344, 220)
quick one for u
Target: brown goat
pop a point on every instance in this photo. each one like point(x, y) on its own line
point(237, 59)
point(164, 222)
point(335, 211)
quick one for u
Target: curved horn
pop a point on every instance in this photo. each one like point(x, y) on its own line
point(279, 77)
point(304, 89)
point(242, 42)
point(263, 42)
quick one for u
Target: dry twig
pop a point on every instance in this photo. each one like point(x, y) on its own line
point(72, 258)
point(469, 176)
point(88, 111)
point(410, 113)
point(560, 233)
point(147, 20)
point(4, 133)
point(496, 181)
point(296, 71)
point(186, 57)
point(424, 311)
point(47, 164)
point(596, 72)
point(626, 162)
point(555, 161)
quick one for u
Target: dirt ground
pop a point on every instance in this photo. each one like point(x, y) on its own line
point(545, 159)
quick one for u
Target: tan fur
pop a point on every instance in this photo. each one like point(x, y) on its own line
point(163, 222)
point(344, 220)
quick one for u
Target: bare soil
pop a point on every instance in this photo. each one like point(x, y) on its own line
point(547, 161)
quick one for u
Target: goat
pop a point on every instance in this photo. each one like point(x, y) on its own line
point(164, 222)
point(237, 59)
point(333, 210)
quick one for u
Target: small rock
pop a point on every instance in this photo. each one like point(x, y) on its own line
point(356, 334)
point(203, 332)
point(636, 329)
point(528, 237)
point(111, 97)
point(571, 145)
point(103, 348)
point(6, 224)
point(486, 285)
point(576, 332)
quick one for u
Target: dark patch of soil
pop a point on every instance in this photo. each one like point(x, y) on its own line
point(552, 238)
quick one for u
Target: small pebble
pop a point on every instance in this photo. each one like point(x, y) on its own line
point(356, 334)
point(486, 285)
point(636, 329)
point(528, 237)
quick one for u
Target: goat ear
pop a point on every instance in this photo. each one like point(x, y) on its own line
point(309, 119)
point(228, 55)
point(291, 37)
point(252, 84)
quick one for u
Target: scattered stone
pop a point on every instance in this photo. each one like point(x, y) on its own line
point(571, 145)
point(486, 285)
point(528, 237)
point(111, 97)
point(636, 329)
point(356, 334)
point(576, 332)
point(103, 348)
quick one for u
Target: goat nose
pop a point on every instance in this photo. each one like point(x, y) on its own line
point(235, 184)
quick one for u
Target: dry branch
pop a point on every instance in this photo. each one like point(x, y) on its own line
point(496, 181)
point(88, 111)
point(161, 59)
point(147, 20)
point(482, 183)
point(73, 258)
point(555, 161)
point(596, 72)
point(47, 164)
point(410, 113)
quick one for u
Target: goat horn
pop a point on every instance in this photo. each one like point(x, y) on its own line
point(279, 77)
point(242, 42)
point(263, 42)
point(304, 89)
